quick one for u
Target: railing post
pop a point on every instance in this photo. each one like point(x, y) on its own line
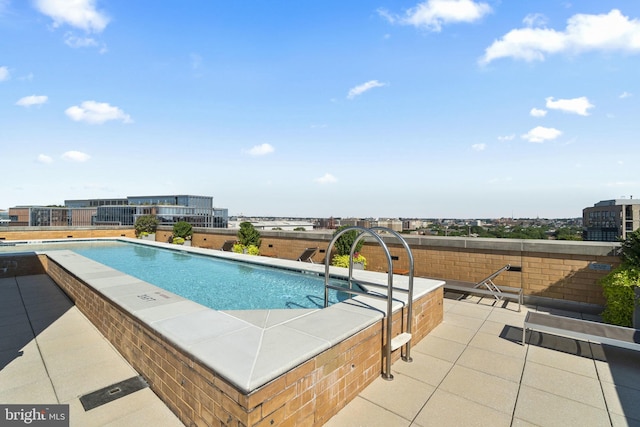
point(387, 350)
point(407, 352)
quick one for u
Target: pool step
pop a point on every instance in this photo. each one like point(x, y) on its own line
point(400, 340)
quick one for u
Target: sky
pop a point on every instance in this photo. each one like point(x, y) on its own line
point(433, 109)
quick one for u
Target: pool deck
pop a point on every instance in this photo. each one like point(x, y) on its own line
point(470, 370)
point(248, 348)
point(51, 354)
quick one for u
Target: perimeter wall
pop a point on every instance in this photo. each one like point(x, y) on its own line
point(563, 270)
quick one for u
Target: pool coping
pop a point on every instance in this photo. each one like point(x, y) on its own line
point(249, 348)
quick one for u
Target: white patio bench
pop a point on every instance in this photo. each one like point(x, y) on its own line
point(582, 329)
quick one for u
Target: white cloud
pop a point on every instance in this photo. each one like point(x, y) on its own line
point(72, 40)
point(576, 105)
point(535, 20)
point(360, 89)
point(537, 112)
point(94, 112)
point(605, 32)
point(432, 14)
point(4, 74)
point(506, 137)
point(261, 150)
point(43, 158)
point(479, 147)
point(80, 14)
point(28, 101)
point(76, 156)
point(541, 134)
point(327, 178)
point(625, 95)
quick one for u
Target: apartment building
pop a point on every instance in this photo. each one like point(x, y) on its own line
point(611, 220)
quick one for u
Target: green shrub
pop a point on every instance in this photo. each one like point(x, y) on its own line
point(178, 241)
point(182, 229)
point(343, 260)
point(631, 250)
point(344, 242)
point(242, 249)
point(619, 293)
point(147, 224)
point(248, 235)
point(618, 286)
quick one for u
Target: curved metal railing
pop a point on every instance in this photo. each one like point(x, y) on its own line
point(406, 339)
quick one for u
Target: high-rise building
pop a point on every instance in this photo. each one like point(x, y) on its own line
point(611, 220)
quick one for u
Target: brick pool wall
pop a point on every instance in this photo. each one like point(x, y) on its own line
point(308, 395)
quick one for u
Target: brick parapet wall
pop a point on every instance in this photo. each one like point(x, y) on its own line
point(44, 233)
point(308, 395)
point(550, 269)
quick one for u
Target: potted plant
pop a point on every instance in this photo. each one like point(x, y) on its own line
point(182, 233)
point(343, 250)
point(146, 226)
point(249, 240)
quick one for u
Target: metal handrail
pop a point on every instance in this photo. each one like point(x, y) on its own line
point(407, 354)
point(363, 232)
point(387, 374)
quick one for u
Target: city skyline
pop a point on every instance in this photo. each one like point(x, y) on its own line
point(434, 109)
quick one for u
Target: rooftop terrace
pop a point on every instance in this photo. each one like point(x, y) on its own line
point(471, 370)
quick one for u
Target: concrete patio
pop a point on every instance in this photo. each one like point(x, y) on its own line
point(471, 370)
point(51, 354)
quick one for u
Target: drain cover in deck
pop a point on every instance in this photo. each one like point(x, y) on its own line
point(112, 392)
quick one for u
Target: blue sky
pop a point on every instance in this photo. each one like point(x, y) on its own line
point(442, 108)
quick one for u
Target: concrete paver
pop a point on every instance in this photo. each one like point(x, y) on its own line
point(471, 370)
point(447, 409)
point(51, 354)
point(547, 409)
point(484, 376)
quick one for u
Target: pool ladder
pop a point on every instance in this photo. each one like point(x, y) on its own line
point(404, 338)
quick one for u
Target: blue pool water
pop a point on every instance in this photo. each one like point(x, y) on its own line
point(214, 282)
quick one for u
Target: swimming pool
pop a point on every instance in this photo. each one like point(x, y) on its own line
point(245, 367)
point(216, 283)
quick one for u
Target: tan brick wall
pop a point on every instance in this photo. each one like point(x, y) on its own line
point(551, 275)
point(545, 274)
point(308, 395)
point(36, 233)
point(560, 276)
point(278, 247)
